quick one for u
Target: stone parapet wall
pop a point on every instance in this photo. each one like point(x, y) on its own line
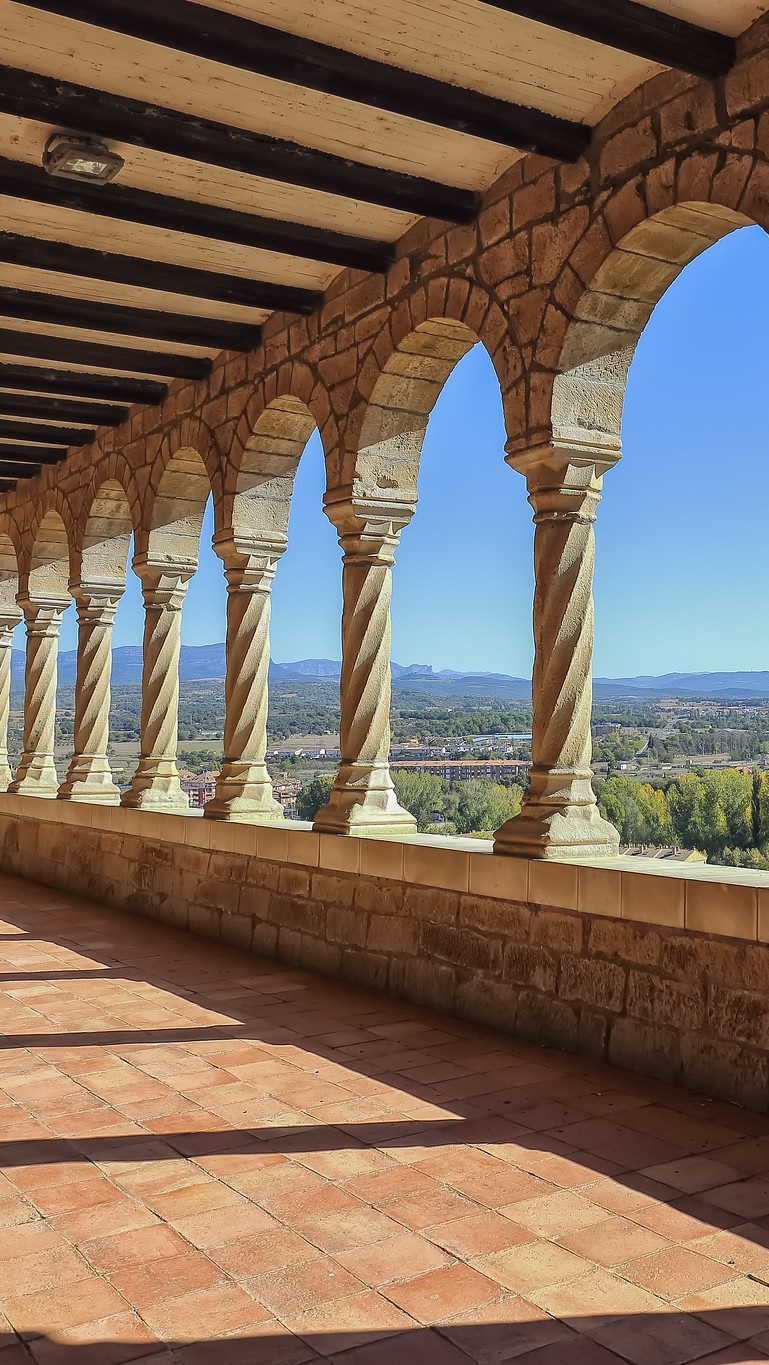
point(664, 971)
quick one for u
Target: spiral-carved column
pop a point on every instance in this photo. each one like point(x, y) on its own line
point(243, 787)
point(560, 817)
point(363, 800)
point(155, 784)
point(36, 775)
point(8, 623)
point(90, 777)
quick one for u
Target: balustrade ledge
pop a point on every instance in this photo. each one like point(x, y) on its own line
point(729, 902)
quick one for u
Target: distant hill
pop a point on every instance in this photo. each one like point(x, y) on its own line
point(202, 662)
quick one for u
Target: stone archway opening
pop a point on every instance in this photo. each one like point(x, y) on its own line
point(461, 609)
point(589, 387)
point(45, 596)
point(167, 558)
point(251, 547)
point(10, 617)
point(370, 513)
point(680, 570)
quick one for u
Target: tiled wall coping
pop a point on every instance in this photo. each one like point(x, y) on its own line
point(733, 902)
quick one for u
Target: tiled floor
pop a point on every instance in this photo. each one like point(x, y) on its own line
point(209, 1158)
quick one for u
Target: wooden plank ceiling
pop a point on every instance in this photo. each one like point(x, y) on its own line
point(267, 145)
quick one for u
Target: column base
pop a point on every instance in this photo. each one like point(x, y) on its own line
point(90, 779)
point(559, 819)
point(36, 777)
point(156, 786)
point(364, 803)
point(6, 777)
point(576, 832)
point(244, 795)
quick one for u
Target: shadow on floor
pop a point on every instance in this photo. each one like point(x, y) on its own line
point(720, 1337)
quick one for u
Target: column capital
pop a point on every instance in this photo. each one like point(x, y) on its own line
point(42, 615)
point(9, 620)
point(164, 582)
point(558, 462)
point(250, 560)
point(368, 525)
point(97, 599)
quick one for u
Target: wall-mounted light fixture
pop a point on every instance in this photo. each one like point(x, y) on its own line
point(80, 158)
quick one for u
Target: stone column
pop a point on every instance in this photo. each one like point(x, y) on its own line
point(363, 800)
point(36, 774)
point(155, 784)
point(8, 623)
point(243, 788)
point(560, 817)
point(90, 777)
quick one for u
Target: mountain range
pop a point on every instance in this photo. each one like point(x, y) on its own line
point(204, 662)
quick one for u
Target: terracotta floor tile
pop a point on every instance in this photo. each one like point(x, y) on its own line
point(555, 1214)
point(593, 1300)
point(531, 1266)
point(478, 1234)
point(425, 1210)
point(110, 1341)
point(395, 1258)
point(302, 1286)
point(268, 1343)
point(676, 1271)
point(247, 1257)
point(147, 1283)
point(749, 1198)
point(344, 1323)
point(204, 1314)
point(745, 1247)
point(662, 1339)
point(65, 1306)
point(40, 1270)
point(613, 1240)
point(421, 1347)
point(740, 1307)
point(108, 1255)
point(503, 1330)
point(336, 1232)
point(693, 1174)
point(441, 1294)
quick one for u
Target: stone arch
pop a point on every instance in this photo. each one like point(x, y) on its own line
point(9, 569)
point(390, 429)
point(46, 573)
point(264, 478)
point(590, 380)
point(169, 531)
point(101, 552)
point(274, 427)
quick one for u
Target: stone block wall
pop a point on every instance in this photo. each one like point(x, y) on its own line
point(555, 953)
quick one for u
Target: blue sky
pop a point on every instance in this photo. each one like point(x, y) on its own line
point(682, 580)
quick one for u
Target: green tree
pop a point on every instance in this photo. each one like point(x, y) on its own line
point(314, 796)
point(422, 794)
point(637, 810)
point(482, 806)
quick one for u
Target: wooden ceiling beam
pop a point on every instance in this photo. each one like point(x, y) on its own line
point(39, 346)
point(49, 435)
point(32, 454)
point(156, 324)
point(38, 253)
point(61, 410)
point(9, 473)
point(630, 27)
point(232, 40)
point(75, 384)
point(163, 211)
point(27, 94)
